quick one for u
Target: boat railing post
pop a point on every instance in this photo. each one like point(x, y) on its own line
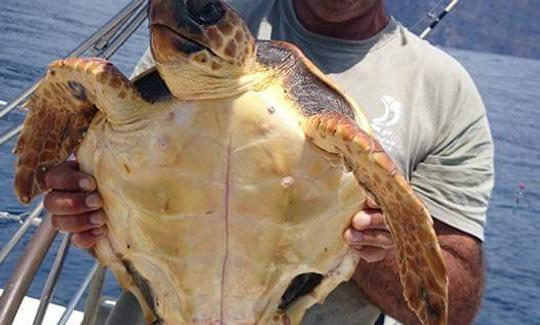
point(27, 267)
point(138, 18)
point(10, 135)
point(91, 308)
point(78, 295)
point(50, 284)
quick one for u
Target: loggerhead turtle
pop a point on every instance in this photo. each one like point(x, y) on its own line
point(228, 174)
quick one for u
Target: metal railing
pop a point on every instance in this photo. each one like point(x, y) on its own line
point(103, 43)
point(33, 219)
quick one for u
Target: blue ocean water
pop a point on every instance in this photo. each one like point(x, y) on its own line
point(35, 32)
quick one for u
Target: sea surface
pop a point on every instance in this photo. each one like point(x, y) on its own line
point(35, 32)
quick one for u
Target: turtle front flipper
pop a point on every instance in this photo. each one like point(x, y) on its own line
point(60, 112)
point(422, 272)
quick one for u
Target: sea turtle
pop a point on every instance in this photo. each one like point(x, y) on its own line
point(229, 174)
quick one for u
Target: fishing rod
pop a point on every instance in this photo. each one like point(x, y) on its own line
point(435, 20)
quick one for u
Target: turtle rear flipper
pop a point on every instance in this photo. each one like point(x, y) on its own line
point(422, 271)
point(60, 112)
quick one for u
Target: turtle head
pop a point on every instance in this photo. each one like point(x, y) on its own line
point(197, 40)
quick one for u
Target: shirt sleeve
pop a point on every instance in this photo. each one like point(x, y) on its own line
point(455, 179)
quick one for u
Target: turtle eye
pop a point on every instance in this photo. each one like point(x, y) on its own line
point(207, 12)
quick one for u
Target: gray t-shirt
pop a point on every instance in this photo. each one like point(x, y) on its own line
point(424, 109)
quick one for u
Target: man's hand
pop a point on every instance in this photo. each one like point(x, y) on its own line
point(368, 233)
point(462, 255)
point(75, 204)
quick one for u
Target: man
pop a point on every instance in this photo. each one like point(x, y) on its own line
point(427, 114)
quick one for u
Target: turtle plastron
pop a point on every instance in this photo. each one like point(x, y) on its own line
point(223, 175)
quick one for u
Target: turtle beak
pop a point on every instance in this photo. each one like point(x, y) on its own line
point(169, 23)
point(178, 26)
point(189, 26)
point(166, 45)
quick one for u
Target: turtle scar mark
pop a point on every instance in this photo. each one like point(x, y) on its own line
point(227, 196)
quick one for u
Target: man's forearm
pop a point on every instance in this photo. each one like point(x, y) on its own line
point(463, 259)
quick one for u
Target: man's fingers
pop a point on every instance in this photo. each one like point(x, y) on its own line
point(66, 177)
point(67, 204)
point(88, 239)
point(79, 223)
point(369, 219)
point(372, 245)
point(374, 238)
point(75, 205)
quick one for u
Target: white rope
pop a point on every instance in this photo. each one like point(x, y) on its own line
point(8, 216)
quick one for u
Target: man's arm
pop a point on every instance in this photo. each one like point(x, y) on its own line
point(463, 258)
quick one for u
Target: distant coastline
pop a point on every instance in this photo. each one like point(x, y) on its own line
point(496, 26)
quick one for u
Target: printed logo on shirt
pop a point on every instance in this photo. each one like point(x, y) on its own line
point(383, 126)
